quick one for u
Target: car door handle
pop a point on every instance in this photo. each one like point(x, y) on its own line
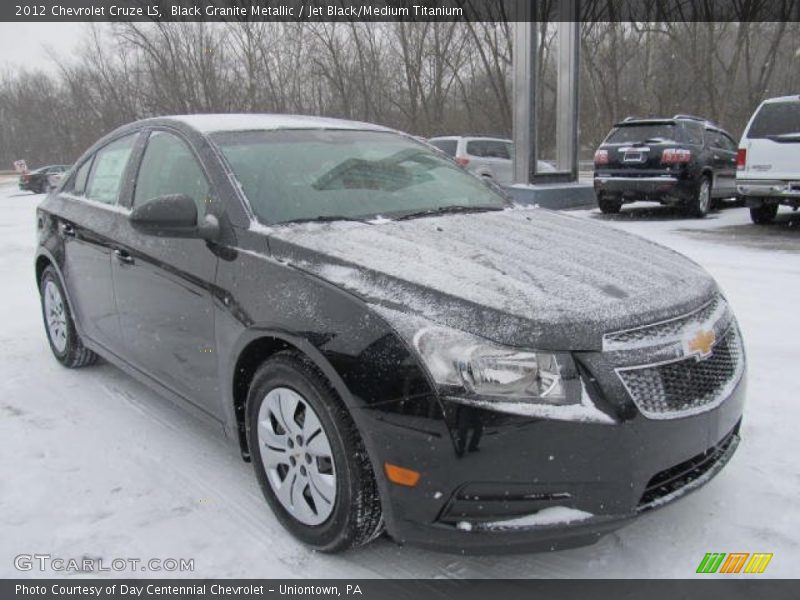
point(123, 256)
point(68, 230)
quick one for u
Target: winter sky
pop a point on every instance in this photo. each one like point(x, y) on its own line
point(24, 44)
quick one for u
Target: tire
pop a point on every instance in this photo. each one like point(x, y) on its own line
point(609, 205)
point(325, 493)
point(764, 214)
point(701, 203)
point(64, 341)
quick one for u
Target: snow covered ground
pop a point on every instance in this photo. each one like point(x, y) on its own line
point(94, 464)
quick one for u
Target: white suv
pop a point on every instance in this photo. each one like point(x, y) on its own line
point(768, 162)
point(485, 156)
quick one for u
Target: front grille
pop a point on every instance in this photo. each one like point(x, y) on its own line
point(691, 473)
point(688, 385)
point(667, 331)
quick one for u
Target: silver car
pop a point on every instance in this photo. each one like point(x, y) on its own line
point(485, 156)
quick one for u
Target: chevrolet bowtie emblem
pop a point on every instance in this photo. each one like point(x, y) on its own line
point(701, 343)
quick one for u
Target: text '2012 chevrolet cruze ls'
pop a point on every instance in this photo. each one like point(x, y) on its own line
point(390, 343)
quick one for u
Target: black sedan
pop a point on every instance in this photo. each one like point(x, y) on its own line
point(40, 180)
point(389, 342)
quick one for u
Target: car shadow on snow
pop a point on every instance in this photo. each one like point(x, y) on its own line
point(657, 212)
point(782, 235)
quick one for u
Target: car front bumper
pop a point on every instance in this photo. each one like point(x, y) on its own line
point(513, 467)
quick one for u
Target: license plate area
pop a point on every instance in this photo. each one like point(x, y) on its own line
point(633, 156)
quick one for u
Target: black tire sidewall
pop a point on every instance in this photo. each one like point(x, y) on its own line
point(286, 371)
point(696, 210)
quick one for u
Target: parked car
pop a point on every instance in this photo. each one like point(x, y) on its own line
point(685, 161)
point(485, 156)
point(386, 339)
point(768, 163)
point(41, 179)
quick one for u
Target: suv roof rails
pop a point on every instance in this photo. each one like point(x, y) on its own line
point(693, 118)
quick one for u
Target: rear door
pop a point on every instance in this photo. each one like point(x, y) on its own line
point(88, 216)
point(772, 142)
point(164, 285)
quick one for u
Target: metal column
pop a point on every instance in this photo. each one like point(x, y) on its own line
point(524, 92)
point(567, 89)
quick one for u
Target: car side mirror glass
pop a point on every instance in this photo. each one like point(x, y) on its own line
point(175, 216)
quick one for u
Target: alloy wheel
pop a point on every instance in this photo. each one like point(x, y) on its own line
point(297, 457)
point(55, 316)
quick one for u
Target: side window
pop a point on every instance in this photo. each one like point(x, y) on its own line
point(446, 146)
point(169, 167)
point(694, 133)
point(105, 180)
point(727, 143)
point(78, 184)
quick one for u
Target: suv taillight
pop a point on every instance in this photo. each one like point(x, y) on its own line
point(741, 158)
point(462, 161)
point(673, 156)
point(601, 157)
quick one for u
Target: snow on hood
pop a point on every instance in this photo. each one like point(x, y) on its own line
point(531, 278)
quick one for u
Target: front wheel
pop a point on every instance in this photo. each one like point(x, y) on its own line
point(64, 341)
point(309, 457)
point(701, 203)
point(763, 214)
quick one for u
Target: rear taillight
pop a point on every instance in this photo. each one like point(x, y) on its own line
point(673, 156)
point(601, 157)
point(741, 158)
point(462, 161)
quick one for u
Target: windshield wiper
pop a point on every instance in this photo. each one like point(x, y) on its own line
point(444, 210)
point(322, 219)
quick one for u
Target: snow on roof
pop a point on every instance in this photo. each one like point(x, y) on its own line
point(794, 98)
point(210, 123)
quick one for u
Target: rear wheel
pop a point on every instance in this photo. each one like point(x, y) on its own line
point(701, 203)
point(764, 214)
point(309, 457)
point(609, 205)
point(64, 341)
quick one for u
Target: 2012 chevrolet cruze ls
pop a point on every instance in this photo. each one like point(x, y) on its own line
point(390, 343)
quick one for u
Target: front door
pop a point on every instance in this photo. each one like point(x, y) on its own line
point(163, 285)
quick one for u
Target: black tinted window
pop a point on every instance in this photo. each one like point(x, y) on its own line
point(776, 118)
point(169, 167)
point(642, 133)
point(446, 146)
point(108, 168)
point(694, 133)
point(489, 149)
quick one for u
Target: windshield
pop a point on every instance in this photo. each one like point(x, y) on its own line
point(297, 175)
point(776, 118)
point(641, 133)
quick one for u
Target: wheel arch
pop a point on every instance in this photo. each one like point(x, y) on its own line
point(257, 346)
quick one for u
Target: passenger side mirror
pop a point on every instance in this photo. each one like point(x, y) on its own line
point(175, 216)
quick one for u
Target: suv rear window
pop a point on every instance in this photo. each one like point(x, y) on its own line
point(776, 118)
point(489, 148)
point(642, 133)
point(446, 146)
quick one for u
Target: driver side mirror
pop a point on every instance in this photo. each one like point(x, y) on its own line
point(175, 216)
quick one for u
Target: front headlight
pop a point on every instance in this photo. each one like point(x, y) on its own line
point(455, 358)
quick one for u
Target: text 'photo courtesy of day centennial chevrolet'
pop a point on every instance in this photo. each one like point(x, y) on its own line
point(392, 344)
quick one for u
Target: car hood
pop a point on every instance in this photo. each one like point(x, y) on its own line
point(530, 278)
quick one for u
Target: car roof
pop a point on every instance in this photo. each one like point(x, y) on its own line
point(794, 98)
point(470, 137)
point(214, 123)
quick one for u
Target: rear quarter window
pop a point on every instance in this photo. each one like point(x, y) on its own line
point(489, 149)
point(776, 118)
point(446, 146)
